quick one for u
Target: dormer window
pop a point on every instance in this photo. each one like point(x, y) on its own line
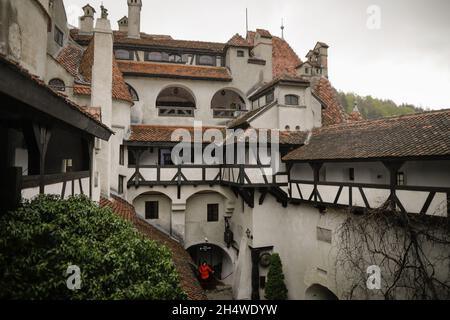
point(291, 100)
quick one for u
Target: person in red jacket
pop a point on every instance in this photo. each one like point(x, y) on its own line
point(205, 271)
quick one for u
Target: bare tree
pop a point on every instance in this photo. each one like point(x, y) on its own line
point(412, 252)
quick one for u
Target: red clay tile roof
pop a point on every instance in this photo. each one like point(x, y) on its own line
point(177, 71)
point(70, 58)
point(162, 41)
point(150, 133)
point(417, 136)
point(284, 59)
point(355, 116)
point(264, 33)
point(82, 109)
point(119, 88)
point(333, 113)
point(238, 41)
point(180, 257)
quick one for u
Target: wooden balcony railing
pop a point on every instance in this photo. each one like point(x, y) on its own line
point(411, 199)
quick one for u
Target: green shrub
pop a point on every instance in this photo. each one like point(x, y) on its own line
point(40, 240)
point(275, 287)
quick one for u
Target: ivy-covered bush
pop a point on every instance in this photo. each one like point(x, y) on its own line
point(275, 287)
point(40, 240)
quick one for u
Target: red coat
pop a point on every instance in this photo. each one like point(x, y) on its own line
point(204, 271)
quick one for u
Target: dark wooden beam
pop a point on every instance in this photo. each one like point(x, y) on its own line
point(42, 135)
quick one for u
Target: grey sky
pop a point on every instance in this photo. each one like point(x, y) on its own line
point(406, 60)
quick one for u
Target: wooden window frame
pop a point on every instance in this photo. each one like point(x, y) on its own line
point(213, 212)
point(58, 36)
point(289, 103)
point(149, 206)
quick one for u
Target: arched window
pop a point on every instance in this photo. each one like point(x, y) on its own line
point(291, 100)
point(176, 102)
point(57, 84)
point(287, 128)
point(297, 128)
point(227, 104)
point(133, 93)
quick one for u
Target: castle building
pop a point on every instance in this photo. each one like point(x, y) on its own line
point(89, 82)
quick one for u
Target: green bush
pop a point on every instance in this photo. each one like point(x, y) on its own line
point(275, 287)
point(40, 240)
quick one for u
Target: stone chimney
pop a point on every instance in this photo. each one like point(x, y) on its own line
point(322, 49)
point(101, 92)
point(134, 19)
point(263, 47)
point(123, 24)
point(86, 23)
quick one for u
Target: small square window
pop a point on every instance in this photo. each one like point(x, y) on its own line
point(213, 212)
point(240, 53)
point(152, 210)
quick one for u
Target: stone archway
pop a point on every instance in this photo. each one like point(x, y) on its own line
point(319, 292)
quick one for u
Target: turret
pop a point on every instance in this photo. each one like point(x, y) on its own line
point(86, 23)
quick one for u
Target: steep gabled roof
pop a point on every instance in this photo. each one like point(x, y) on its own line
point(238, 41)
point(333, 112)
point(119, 88)
point(422, 135)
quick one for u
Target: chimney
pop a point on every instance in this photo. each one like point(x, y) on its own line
point(263, 46)
point(86, 23)
point(322, 49)
point(134, 19)
point(123, 24)
point(101, 92)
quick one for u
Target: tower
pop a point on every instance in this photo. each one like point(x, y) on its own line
point(134, 18)
point(87, 20)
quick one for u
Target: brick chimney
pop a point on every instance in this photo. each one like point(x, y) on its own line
point(86, 22)
point(101, 95)
point(134, 19)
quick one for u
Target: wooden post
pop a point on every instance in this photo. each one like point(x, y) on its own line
point(42, 135)
point(393, 167)
point(316, 166)
point(91, 145)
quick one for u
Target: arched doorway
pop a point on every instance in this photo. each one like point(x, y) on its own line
point(176, 101)
point(318, 292)
point(214, 256)
point(227, 104)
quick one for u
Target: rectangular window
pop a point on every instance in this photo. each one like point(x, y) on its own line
point(59, 36)
point(151, 210)
point(401, 179)
point(121, 54)
point(213, 212)
point(121, 184)
point(291, 100)
point(240, 53)
point(270, 97)
point(165, 157)
point(206, 60)
point(351, 174)
point(324, 235)
point(122, 155)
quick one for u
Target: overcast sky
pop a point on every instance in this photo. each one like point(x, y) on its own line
point(403, 56)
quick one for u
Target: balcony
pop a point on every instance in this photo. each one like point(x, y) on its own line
point(412, 199)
